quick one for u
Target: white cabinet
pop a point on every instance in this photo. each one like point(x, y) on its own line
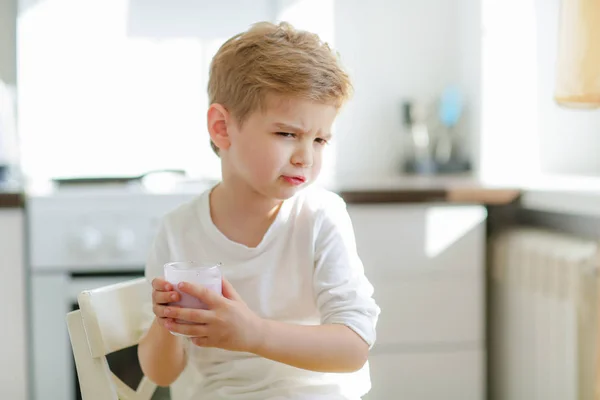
point(426, 263)
point(13, 371)
point(456, 375)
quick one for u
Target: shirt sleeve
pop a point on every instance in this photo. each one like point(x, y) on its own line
point(342, 291)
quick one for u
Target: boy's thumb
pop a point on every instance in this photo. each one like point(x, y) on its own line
point(229, 291)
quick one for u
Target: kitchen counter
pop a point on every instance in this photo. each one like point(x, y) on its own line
point(564, 194)
point(11, 197)
point(460, 189)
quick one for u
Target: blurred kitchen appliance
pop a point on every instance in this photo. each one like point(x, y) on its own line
point(434, 141)
point(84, 237)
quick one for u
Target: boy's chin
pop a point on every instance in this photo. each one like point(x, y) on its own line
point(284, 193)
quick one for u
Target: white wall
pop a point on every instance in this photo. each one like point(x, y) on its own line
point(8, 15)
point(508, 142)
point(569, 139)
point(397, 49)
point(524, 132)
point(469, 59)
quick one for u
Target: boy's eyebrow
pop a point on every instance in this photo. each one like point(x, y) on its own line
point(289, 127)
point(298, 129)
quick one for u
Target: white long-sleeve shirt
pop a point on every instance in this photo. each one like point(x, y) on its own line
point(306, 270)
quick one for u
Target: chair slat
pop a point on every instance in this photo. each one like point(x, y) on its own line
point(146, 388)
point(93, 372)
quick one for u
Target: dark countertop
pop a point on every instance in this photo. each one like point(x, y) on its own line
point(456, 189)
point(11, 197)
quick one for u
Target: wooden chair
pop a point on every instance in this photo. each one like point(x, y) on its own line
point(110, 319)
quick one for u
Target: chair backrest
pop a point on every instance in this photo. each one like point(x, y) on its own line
point(110, 319)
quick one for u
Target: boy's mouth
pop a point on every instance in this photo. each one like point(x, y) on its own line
point(294, 180)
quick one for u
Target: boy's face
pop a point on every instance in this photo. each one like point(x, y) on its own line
point(279, 151)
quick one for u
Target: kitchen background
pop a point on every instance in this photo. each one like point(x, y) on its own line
point(465, 180)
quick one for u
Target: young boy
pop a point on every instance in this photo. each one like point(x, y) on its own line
point(296, 318)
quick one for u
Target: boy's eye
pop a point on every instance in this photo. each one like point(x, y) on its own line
point(286, 134)
point(321, 141)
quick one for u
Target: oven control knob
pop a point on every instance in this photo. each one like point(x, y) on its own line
point(124, 240)
point(90, 240)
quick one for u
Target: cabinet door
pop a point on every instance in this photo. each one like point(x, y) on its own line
point(427, 266)
point(427, 376)
point(422, 311)
point(410, 240)
point(13, 378)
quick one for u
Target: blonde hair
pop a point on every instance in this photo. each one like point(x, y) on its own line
point(275, 59)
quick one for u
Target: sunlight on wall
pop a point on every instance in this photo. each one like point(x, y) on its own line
point(509, 138)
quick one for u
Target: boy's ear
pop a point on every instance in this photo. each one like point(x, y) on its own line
point(216, 119)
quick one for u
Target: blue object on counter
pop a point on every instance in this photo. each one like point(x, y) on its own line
point(450, 106)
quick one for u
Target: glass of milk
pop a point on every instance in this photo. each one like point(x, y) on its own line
point(198, 273)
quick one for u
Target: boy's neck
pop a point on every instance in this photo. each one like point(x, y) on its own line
point(243, 202)
point(243, 216)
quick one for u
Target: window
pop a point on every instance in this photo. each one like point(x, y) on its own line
point(99, 98)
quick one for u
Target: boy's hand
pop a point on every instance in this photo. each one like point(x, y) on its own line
point(227, 324)
point(163, 293)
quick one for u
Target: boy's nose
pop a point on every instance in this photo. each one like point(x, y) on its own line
point(303, 157)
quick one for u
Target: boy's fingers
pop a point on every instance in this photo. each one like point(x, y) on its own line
point(161, 284)
point(229, 291)
point(193, 330)
point(159, 310)
point(198, 316)
point(163, 321)
point(164, 297)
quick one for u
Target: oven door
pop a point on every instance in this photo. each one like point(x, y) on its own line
point(53, 295)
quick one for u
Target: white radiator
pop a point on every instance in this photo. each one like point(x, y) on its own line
point(543, 316)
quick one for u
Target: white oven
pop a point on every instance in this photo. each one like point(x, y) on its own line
point(82, 239)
